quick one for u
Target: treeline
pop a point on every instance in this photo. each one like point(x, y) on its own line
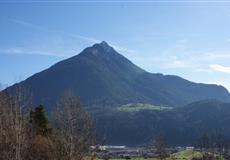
point(214, 145)
point(27, 134)
point(217, 142)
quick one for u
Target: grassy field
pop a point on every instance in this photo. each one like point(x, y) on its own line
point(182, 155)
point(140, 106)
point(186, 155)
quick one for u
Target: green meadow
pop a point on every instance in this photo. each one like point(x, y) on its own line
point(182, 155)
point(135, 107)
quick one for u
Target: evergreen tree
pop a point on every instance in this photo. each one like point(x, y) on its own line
point(39, 121)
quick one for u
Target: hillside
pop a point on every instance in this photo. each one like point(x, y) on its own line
point(129, 104)
point(181, 126)
point(103, 77)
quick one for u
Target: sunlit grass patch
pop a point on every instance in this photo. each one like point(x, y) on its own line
point(135, 107)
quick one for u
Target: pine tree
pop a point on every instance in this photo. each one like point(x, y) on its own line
point(39, 121)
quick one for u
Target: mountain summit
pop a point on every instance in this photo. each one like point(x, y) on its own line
point(104, 45)
point(103, 77)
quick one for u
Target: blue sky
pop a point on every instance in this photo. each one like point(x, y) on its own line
point(189, 39)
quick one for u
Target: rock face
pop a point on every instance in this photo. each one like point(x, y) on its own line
point(103, 77)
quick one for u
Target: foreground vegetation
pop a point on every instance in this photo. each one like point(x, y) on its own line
point(186, 154)
point(26, 134)
point(182, 155)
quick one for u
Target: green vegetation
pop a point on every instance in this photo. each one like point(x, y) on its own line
point(190, 154)
point(186, 154)
point(26, 133)
point(135, 107)
point(182, 155)
point(39, 121)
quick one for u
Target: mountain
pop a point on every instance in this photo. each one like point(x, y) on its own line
point(181, 126)
point(208, 114)
point(121, 95)
point(103, 77)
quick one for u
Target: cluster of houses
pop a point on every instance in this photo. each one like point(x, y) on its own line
point(106, 152)
point(114, 151)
